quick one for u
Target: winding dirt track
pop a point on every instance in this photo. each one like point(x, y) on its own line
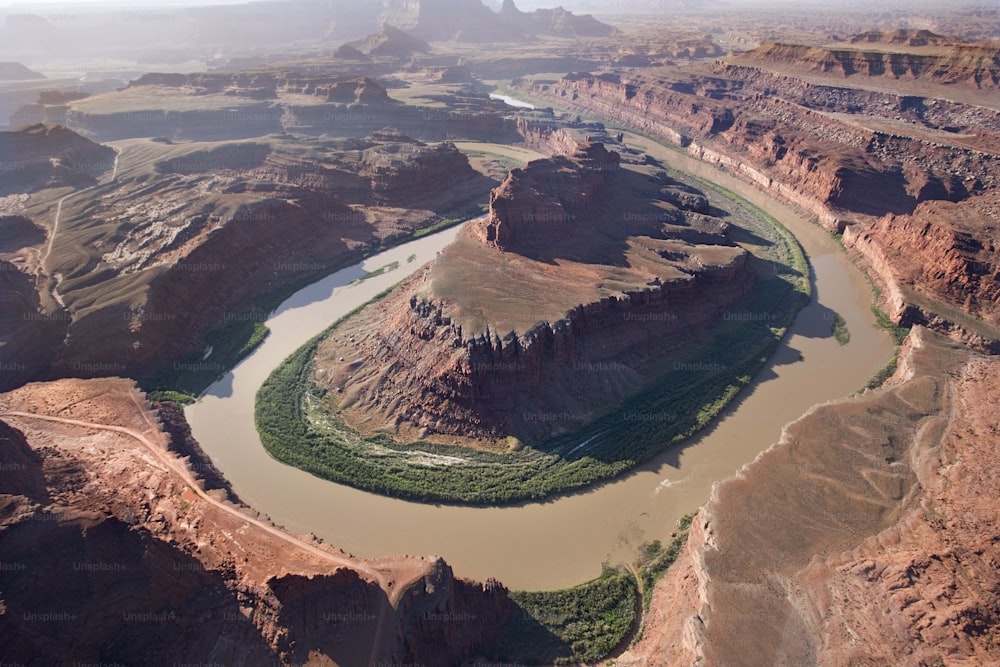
point(59, 206)
point(392, 587)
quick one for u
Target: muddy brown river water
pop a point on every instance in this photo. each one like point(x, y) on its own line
point(563, 541)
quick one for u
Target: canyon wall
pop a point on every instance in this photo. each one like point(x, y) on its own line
point(919, 165)
point(864, 535)
point(971, 65)
point(432, 359)
point(111, 553)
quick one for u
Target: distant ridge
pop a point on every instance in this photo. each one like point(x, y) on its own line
point(17, 72)
point(390, 41)
point(969, 65)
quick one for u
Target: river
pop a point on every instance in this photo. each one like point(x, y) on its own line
point(511, 102)
point(563, 541)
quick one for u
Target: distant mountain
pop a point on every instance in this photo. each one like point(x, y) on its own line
point(390, 41)
point(18, 72)
point(472, 21)
point(205, 31)
point(552, 22)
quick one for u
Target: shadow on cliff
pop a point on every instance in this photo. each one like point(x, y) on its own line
point(814, 321)
point(82, 584)
point(525, 641)
point(91, 588)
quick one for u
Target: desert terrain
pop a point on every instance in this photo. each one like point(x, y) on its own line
point(170, 176)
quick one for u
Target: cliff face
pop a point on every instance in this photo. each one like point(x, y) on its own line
point(27, 333)
point(110, 552)
point(865, 163)
point(974, 66)
point(531, 208)
point(130, 289)
point(48, 156)
point(516, 320)
point(939, 266)
point(881, 550)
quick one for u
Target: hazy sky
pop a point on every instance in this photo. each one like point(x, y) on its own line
point(50, 4)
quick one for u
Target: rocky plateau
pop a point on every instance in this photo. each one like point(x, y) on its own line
point(178, 240)
point(112, 550)
point(888, 170)
point(469, 348)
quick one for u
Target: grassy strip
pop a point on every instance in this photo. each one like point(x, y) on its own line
point(840, 330)
point(585, 623)
point(164, 396)
point(392, 266)
point(451, 221)
point(655, 559)
point(897, 333)
point(566, 627)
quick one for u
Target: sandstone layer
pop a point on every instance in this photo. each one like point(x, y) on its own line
point(877, 165)
point(867, 535)
point(568, 298)
point(113, 551)
point(971, 65)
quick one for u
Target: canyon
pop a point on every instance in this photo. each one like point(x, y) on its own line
point(887, 170)
point(148, 228)
point(141, 563)
point(135, 289)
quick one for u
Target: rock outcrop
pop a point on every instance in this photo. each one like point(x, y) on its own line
point(543, 307)
point(939, 266)
point(859, 160)
point(140, 286)
point(471, 21)
point(867, 535)
point(390, 42)
point(111, 552)
point(969, 65)
point(42, 156)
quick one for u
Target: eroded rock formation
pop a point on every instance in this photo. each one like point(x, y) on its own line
point(544, 307)
point(868, 162)
point(952, 63)
point(868, 534)
point(111, 552)
point(185, 240)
